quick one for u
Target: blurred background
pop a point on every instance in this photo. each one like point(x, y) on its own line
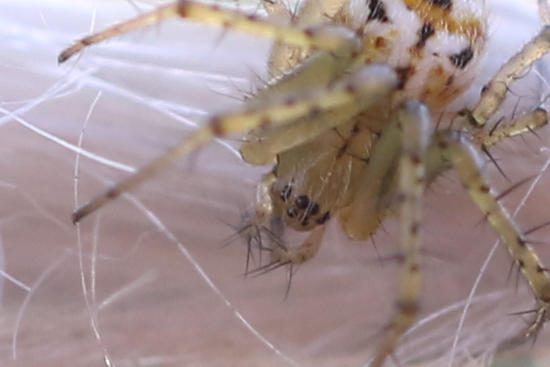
point(157, 278)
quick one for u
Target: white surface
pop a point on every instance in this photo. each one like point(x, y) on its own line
point(143, 303)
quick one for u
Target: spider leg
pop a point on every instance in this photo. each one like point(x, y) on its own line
point(544, 11)
point(363, 85)
point(465, 160)
point(414, 125)
point(263, 150)
point(263, 211)
point(297, 255)
point(326, 38)
point(320, 70)
point(264, 203)
point(452, 149)
point(494, 92)
point(282, 255)
point(150, 18)
point(375, 195)
point(362, 217)
point(308, 13)
point(528, 122)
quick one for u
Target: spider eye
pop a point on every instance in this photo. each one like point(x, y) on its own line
point(313, 209)
point(302, 202)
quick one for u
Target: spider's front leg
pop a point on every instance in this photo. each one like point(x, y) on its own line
point(306, 38)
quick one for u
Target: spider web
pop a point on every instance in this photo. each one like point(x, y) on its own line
point(147, 281)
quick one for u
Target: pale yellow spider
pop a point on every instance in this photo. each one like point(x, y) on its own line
point(348, 121)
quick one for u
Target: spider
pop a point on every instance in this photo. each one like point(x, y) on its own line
point(348, 122)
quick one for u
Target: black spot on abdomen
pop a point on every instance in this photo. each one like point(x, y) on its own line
point(377, 11)
point(444, 4)
point(403, 75)
point(463, 58)
point(425, 32)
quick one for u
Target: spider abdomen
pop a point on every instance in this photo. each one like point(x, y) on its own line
point(434, 46)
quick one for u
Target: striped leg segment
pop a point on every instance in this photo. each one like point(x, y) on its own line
point(415, 125)
point(467, 163)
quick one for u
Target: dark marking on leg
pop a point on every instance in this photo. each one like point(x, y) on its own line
point(407, 308)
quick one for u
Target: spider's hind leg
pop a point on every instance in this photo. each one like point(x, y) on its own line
point(458, 148)
point(494, 93)
point(418, 165)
